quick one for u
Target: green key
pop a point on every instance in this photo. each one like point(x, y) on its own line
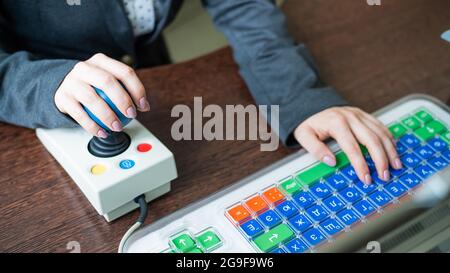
point(424, 116)
point(291, 186)
point(275, 236)
point(321, 170)
point(209, 240)
point(425, 133)
point(183, 242)
point(437, 126)
point(342, 159)
point(397, 130)
point(446, 137)
point(411, 122)
point(195, 250)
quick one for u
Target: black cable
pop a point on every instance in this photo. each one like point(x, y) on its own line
point(143, 208)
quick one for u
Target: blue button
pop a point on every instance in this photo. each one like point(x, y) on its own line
point(126, 164)
point(365, 188)
point(331, 226)
point(300, 223)
point(337, 181)
point(377, 179)
point(296, 246)
point(446, 154)
point(397, 173)
point(278, 251)
point(380, 198)
point(287, 209)
point(424, 151)
point(350, 173)
point(350, 194)
point(303, 199)
point(320, 190)
point(410, 180)
point(439, 163)
point(410, 160)
point(401, 148)
point(314, 236)
point(269, 219)
point(333, 203)
point(370, 163)
point(364, 207)
point(424, 171)
point(437, 143)
point(409, 140)
point(348, 217)
point(252, 228)
point(396, 189)
point(317, 213)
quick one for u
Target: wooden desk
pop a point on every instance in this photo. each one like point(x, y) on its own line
point(372, 55)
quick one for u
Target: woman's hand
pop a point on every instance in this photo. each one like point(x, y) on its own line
point(350, 126)
point(104, 73)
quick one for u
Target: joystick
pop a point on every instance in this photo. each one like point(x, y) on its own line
point(113, 171)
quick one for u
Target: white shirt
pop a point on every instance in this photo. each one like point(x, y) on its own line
point(141, 14)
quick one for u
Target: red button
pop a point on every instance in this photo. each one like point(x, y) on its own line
point(144, 147)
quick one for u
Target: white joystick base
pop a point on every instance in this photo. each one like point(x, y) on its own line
point(111, 184)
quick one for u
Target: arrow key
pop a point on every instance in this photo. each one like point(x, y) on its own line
point(183, 242)
point(209, 240)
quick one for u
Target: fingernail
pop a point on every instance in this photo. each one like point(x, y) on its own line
point(329, 161)
point(131, 112)
point(102, 134)
point(386, 175)
point(117, 126)
point(398, 164)
point(143, 104)
point(367, 179)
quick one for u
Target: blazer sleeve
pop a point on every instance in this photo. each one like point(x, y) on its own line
point(28, 85)
point(276, 70)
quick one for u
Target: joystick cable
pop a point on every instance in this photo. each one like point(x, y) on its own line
point(143, 206)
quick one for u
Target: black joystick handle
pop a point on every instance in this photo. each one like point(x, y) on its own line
point(115, 144)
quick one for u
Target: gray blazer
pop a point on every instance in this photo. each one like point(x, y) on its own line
point(41, 40)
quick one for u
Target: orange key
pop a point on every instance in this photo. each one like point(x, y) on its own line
point(238, 213)
point(256, 204)
point(273, 195)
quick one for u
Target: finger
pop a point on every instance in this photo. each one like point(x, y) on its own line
point(344, 137)
point(369, 139)
point(126, 75)
point(76, 111)
point(86, 95)
point(388, 143)
point(309, 140)
point(105, 81)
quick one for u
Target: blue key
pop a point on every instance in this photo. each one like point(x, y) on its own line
point(424, 171)
point(396, 189)
point(424, 151)
point(252, 228)
point(348, 217)
point(437, 143)
point(410, 141)
point(314, 236)
point(331, 226)
point(364, 207)
point(269, 219)
point(287, 209)
point(333, 203)
point(380, 198)
point(337, 181)
point(304, 199)
point(350, 194)
point(401, 148)
point(365, 188)
point(438, 163)
point(317, 213)
point(446, 154)
point(377, 179)
point(278, 251)
point(410, 160)
point(397, 173)
point(320, 190)
point(349, 172)
point(300, 223)
point(296, 246)
point(370, 163)
point(410, 180)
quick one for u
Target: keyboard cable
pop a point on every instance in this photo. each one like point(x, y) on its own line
point(143, 207)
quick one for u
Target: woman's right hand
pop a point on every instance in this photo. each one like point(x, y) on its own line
point(104, 73)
